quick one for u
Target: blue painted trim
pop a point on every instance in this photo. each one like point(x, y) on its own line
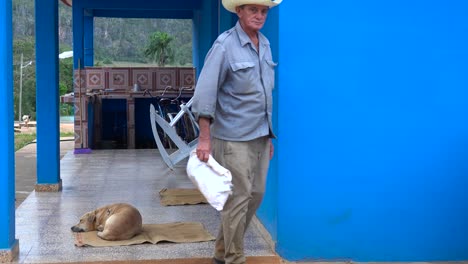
point(7, 157)
point(206, 30)
point(168, 14)
point(142, 4)
point(47, 103)
point(214, 15)
point(88, 41)
point(78, 35)
point(268, 212)
point(226, 19)
point(196, 59)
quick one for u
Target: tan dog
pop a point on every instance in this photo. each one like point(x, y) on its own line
point(118, 221)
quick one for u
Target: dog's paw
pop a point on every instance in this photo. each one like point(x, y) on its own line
point(101, 235)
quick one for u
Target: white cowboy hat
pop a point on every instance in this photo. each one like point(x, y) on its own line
point(231, 5)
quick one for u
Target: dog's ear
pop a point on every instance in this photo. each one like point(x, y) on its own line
point(92, 218)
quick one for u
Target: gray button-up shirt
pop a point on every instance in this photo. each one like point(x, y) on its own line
point(235, 87)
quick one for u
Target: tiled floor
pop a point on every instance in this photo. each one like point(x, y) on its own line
point(43, 220)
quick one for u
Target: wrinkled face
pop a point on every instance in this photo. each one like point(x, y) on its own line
point(87, 223)
point(252, 17)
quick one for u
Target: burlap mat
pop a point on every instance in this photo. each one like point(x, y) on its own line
point(178, 232)
point(181, 197)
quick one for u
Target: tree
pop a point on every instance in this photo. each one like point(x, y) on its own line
point(24, 47)
point(66, 75)
point(65, 80)
point(159, 48)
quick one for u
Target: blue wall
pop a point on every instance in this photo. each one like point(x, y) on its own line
point(373, 130)
point(267, 213)
point(205, 31)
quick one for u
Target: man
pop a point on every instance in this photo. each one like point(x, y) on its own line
point(233, 105)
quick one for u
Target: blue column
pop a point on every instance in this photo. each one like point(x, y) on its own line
point(7, 157)
point(226, 19)
point(78, 35)
point(88, 39)
point(195, 29)
point(206, 28)
point(47, 94)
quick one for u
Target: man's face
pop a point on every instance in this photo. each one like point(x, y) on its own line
point(252, 17)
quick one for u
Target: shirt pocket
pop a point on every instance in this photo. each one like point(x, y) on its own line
point(244, 77)
point(240, 66)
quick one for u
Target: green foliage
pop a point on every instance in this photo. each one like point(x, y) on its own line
point(23, 18)
point(66, 110)
point(66, 75)
point(24, 46)
point(159, 49)
point(117, 42)
point(183, 55)
point(62, 88)
point(107, 61)
point(125, 40)
point(29, 97)
point(22, 140)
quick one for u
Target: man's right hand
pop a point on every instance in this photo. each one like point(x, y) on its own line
point(204, 140)
point(203, 149)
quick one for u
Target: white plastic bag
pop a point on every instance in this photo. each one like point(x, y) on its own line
point(212, 179)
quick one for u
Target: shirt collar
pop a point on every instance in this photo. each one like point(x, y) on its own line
point(244, 38)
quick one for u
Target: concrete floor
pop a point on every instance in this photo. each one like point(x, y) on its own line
point(43, 220)
point(25, 167)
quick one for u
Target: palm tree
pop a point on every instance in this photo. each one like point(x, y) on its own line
point(159, 49)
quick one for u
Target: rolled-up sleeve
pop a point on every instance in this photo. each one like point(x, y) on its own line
point(209, 81)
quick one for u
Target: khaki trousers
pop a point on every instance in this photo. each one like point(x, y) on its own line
point(248, 162)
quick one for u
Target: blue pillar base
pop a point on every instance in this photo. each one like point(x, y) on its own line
point(8, 255)
point(57, 187)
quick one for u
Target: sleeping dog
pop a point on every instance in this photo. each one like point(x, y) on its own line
point(118, 221)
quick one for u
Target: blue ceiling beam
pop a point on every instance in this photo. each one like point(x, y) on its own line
point(141, 4)
point(168, 14)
